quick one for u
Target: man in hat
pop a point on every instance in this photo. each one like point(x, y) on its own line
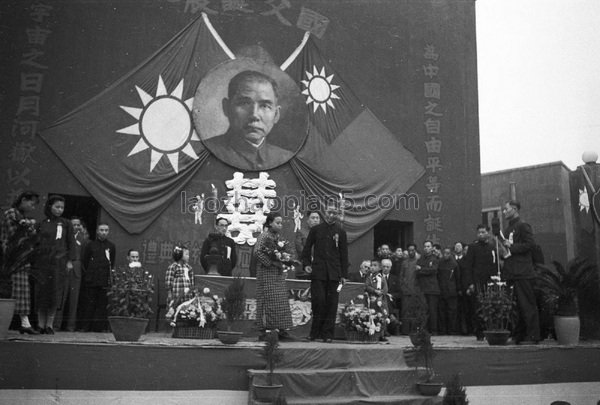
point(325, 258)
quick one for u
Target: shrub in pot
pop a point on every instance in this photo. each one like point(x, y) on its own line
point(495, 308)
point(424, 355)
point(272, 355)
point(234, 306)
point(129, 299)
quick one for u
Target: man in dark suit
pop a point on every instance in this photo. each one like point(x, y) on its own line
point(218, 244)
point(97, 260)
point(394, 295)
point(253, 109)
point(325, 258)
point(479, 265)
point(520, 273)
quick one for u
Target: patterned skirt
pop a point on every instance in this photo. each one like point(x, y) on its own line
point(272, 301)
point(21, 292)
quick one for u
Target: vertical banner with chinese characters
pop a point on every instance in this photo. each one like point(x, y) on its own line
point(433, 114)
point(21, 149)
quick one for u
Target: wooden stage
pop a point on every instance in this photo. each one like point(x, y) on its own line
point(94, 361)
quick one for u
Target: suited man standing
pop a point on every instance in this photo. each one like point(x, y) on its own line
point(520, 273)
point(98, 259)
point(325, 258)
point(394, 295)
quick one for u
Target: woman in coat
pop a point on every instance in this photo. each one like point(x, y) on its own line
point(53, 261)
point(272, 253)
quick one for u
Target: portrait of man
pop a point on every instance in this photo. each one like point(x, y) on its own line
point(260, 121)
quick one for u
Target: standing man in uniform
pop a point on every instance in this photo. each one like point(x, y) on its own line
point(325, 258)
point(519, 272)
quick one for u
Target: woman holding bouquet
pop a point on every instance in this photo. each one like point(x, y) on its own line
point(273, 255)
point(16, 238)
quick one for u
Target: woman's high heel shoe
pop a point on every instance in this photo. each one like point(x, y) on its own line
point(49, 331)
point(29, 331)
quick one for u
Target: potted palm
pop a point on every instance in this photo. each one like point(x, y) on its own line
point(424, 355)
point(234, 306)
point(272, 354)
point(495, 309)
point(129, 299)
point(559, 288)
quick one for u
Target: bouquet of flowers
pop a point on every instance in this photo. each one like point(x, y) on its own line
point(203, 311)
point(18, 249)
point(357, 317)
point(280, 251)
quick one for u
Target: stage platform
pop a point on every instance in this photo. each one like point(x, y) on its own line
point(95, 362)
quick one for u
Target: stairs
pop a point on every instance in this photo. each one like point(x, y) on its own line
point(319, 373)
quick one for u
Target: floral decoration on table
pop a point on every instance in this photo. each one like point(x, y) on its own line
point(203, 311)
point(131, 291)
point(358, 318)
point(496, 305)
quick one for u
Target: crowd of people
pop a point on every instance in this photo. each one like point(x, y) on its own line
point(434, 288)
point(437, 288)
point(55, 268)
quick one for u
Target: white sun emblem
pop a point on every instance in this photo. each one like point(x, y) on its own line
point(319, 90)
point(164, 124)
point(584, 201)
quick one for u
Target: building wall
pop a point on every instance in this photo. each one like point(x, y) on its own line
point(381, 56)
point(544, 193)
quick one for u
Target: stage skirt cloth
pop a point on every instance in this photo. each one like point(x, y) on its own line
point(272, 302)
point(21, 291)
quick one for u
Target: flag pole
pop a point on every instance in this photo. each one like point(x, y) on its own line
point(296, 52)
point(216, 36)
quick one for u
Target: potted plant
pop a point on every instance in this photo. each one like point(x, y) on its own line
point(272, 354)
point(495, 309)
point(417, 316)
point(424, 355)
point(559, 288)
point(198, 317)
point(234, 306)
point(129, 299)
point(456, 393)
point(15, 256)
point(363, 324)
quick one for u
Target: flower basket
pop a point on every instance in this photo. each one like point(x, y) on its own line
point(197, 318)
point(363, 324)
point(362, 337)
point(193, 332)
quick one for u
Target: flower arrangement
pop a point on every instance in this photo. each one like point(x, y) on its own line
point(18, 250)
point(131, 291)
point(203, 311)
point(496, 305)
point(358, 318)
